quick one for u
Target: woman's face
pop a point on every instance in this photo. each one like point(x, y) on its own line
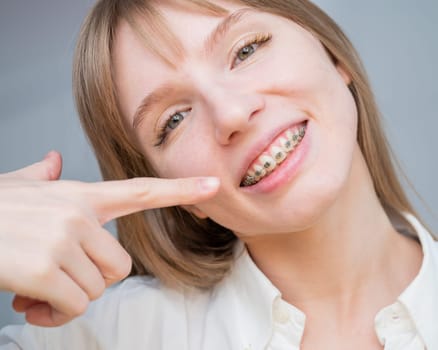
point(230, 109)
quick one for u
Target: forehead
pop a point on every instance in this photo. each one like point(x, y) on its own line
point(150, 46)
point(166, 27)
point(148, 53)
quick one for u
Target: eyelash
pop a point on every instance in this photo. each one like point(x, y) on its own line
point(258, 39)
point(162, 134)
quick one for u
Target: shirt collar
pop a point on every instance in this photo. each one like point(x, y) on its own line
point(251, 295)
point(421, 296)
point(256, 295)
point(256, 305)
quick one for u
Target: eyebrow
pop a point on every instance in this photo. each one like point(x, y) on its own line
point(167, 89)
point(151, 100)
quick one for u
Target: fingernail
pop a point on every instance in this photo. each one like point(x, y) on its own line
point(208, 184)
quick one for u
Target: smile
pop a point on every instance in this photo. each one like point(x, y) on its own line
point(279, 150)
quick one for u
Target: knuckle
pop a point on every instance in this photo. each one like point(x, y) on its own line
point(67, 186)
point(73, 219)
point(97, 290)
point(141, 186)
point(74, 214)
point(79, 307)
point(186, 191)
point(123, 268)
point(139, 182)
point(60, 243)
point(126, 266)
point(42, 270)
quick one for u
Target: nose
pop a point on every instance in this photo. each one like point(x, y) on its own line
point(231, 111)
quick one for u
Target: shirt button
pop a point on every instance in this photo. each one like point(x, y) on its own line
point(281, 316)
point(395, 317)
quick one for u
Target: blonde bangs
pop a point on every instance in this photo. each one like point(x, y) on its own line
point(148, 22)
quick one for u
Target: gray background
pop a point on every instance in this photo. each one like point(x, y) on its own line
point(396, 38)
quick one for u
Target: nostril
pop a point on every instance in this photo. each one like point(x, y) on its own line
point(233, 135)
point(253, 114)
point(225, 138)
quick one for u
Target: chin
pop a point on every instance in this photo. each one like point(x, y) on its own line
point(291, 214)
point(303, 209)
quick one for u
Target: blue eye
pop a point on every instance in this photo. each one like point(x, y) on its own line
point(246, 51)
point(250, 46)
point(174, 120)
point(171, 123)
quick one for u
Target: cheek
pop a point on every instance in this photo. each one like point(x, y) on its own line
point(304, 76)
point(334, 156)
point(190, 155)
point(337, 131)
point(328, 169)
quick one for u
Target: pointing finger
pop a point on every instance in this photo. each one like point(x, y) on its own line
point(112, 199)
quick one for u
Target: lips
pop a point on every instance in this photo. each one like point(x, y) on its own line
point(271, 152)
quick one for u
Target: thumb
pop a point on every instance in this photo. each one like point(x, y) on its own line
point(46, 170)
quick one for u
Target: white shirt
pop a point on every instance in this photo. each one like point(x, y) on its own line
point(243, 312)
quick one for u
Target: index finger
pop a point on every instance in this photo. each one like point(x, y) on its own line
point(113, 199)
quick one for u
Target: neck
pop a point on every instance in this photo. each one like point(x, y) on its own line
point(348, 256)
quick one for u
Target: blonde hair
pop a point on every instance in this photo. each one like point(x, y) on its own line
point(170, 243)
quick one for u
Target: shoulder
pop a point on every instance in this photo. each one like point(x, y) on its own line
point(138, 312)
point(140, 303)
point(133, 293)
point(141, 312)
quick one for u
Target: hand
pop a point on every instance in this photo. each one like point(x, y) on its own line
point(54, 253)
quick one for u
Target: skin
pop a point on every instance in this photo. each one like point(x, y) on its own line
point(322, 238)
point(60, 258)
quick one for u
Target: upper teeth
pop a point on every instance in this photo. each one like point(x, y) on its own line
point(286, 144)
point(274, 155)
point(278, 154)
point(268, 162)
point(259, 171)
